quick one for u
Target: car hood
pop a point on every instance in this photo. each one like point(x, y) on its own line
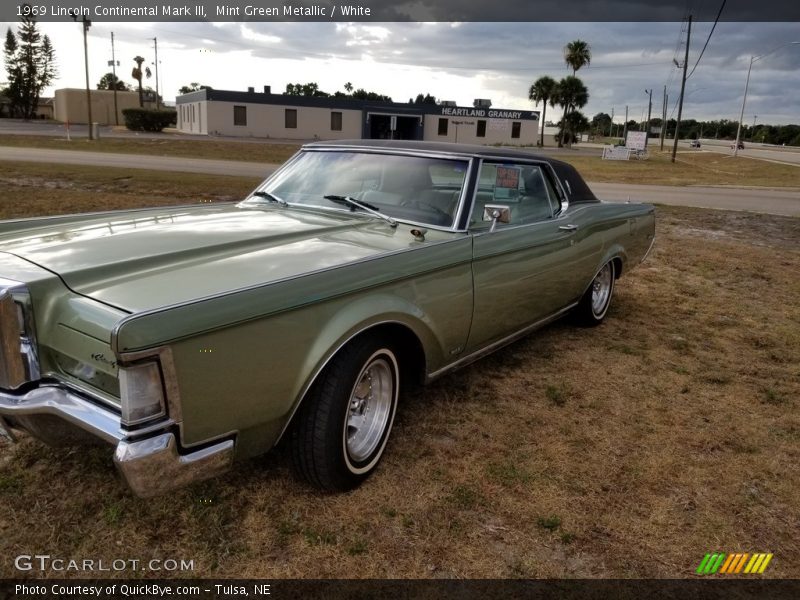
point(140, 260)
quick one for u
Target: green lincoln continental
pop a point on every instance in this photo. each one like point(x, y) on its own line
point(192, 336)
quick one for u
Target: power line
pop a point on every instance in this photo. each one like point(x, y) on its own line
point(708, 39)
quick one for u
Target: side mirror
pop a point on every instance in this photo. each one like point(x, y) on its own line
point(495, 213)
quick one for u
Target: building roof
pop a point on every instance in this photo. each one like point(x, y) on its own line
point(349, 103)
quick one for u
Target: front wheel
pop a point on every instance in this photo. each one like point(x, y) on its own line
point(344, 423)
point(593, 306)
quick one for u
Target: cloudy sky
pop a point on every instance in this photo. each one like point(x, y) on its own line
point(460, 61)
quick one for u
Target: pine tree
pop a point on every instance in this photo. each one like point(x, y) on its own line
point(30, 65)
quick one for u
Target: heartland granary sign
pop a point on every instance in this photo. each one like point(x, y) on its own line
point(489, 113)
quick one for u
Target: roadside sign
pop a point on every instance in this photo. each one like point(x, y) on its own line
point(393, 123)
point(636, 140)
point(616, 153)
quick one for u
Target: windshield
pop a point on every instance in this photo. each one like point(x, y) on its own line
point(407, 188)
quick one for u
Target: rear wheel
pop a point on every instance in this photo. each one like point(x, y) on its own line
point(594, 304)
point(343, 425)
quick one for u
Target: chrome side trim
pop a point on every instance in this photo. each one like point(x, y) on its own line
point(57, 401)
point(649, 248)
point(153, 466)
point(481, 352)
point(564, 199)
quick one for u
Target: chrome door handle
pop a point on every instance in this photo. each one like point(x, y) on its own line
point(569, 227)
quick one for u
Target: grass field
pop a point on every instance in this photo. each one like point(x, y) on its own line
point(201, 147)
point(31, 189)
point(628, 450)
point(690, 168)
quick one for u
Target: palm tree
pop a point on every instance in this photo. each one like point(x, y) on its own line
point(137, 75)
point(348, 87)
point(577, 54)
point(572, 93)
point(543, 91)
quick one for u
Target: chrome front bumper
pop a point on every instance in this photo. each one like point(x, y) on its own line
point(149, 461)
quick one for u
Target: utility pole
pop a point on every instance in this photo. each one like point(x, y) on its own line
point(649, 113)
point(86, 24)
point(663, 118)
point(611, 125)
point(114, 72)
point(753, 131)
point(683, 88)
point(155, 42)
point(625, 128)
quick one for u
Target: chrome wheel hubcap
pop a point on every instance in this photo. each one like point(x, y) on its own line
point(601, 290)
point(369, 409)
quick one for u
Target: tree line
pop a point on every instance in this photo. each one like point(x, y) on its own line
point(719, 129)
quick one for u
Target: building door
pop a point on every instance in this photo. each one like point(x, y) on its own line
point(394, 127)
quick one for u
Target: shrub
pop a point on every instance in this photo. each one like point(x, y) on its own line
point(143, 119)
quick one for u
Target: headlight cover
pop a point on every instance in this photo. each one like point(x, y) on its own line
point(141, 393)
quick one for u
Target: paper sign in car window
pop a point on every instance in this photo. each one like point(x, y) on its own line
point(506, 183)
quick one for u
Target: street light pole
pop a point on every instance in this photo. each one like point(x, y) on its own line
point(663, 119)
point(155, 42)
point(746, 85)
point(114, 73)
point(741, 116)
point(649, 113)
point(683, 89)
point(86, 24)
point(611, 125)
point(625, 127)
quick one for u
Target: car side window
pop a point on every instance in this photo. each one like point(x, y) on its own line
point(555, 201)
point(521, 187)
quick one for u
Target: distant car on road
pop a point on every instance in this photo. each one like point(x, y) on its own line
point(741, 145)
point(694, 143)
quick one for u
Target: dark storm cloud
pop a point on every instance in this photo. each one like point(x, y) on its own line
point(626, 57)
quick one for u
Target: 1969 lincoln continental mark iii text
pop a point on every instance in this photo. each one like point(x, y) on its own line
point(191, 336)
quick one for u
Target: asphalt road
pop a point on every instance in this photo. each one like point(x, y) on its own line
point(769, 201)
point(786, 156)
point(761, 200)
point(138, 161)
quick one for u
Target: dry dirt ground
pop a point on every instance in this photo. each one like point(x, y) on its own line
point(627, 450)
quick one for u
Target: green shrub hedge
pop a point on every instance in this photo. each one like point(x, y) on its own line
point(144, 119)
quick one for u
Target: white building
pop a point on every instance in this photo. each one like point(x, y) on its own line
point(267, 115)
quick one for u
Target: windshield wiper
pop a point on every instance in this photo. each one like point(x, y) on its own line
point(353, 204)
point(270, 197)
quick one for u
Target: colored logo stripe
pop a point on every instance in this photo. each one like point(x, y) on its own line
point(710, 564)
point(731, 564)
